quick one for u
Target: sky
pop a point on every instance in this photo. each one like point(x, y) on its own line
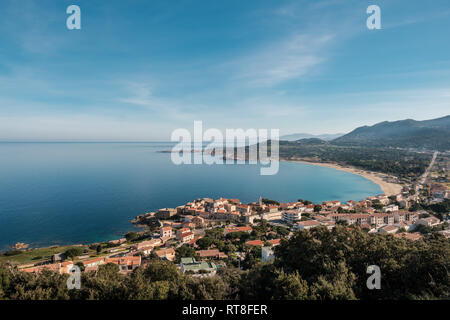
point(137, 70)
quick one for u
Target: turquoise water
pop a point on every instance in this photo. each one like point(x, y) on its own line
point(62, 193)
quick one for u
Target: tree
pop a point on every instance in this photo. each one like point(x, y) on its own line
point(73, 252)
point(270, 202)
point(204, 243)
point(183, 252)
point(130, 236)
point(4, 280)
point(289, 287)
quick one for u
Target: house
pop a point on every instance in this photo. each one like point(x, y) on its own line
point(66, 267)
point(367, 227)
point(255, 243)
point(212, 253)
point(193, 242)
point(272, 215)
point(119, 241)
point(61, 268)
point(149, 243)
point(166, 254)
point(306, 225)
point(237, 229)
point(185, 235)
point(165, 213)
point(429, 222)
point(188, 225)
point(198, 221)
point(243, 208)
point(126, 264)
point(166, 232)
point(405, 225)
point(192, 266)
point(410, 236)
point(274, 242)
point(388, 229)
point(390, 208)
point(93, 262)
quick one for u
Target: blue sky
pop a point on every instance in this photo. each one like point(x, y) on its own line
point(139, 69)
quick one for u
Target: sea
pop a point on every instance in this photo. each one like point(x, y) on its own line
point(73, 193)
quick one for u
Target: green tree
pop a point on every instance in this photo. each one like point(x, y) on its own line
point(183, 252)
point(130, 236)
point(73, 252)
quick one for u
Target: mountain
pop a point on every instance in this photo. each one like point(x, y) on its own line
point(428, 134)
point(311, 141)
point(298, 136)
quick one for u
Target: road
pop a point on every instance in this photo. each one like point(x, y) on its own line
point(427, 171)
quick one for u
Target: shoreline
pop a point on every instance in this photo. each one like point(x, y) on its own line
point(387, 187)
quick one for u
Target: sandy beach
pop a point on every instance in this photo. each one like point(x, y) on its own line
point(387, 187)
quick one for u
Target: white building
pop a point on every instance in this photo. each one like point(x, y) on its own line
point(291, 216)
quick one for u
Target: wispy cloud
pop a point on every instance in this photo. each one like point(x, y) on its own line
point(286, 60)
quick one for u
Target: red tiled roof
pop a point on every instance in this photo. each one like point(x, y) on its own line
point(255, 243)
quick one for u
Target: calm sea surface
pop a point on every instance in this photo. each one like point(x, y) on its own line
point(63, 193)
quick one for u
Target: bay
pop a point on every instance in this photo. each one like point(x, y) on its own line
point(66, 193)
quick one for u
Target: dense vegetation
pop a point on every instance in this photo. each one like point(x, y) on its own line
point(400, 163)
point(315, 264)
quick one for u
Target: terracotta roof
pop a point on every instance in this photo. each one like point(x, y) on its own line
point(275, 241)
point(255, 243)
point(238, 229)
point(411, 236)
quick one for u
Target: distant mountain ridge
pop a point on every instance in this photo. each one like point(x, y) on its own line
point(431, 134)
point(298, 136)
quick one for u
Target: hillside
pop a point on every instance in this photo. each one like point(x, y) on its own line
point(298, 136)
point(429, 134)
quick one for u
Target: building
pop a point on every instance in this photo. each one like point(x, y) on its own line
point(166, 254)
point(166, 232)
point(388, 229)
point(212, 253)
point(165, 213)
point(255, 243)
point(272, 215)
point(198, 221)
point(410, 236)
point(291, 216)
point(429, 222)
point(93, 262)
point(237, 229)
point(390, 208)
point(61, 268)
point(186, 237)
point(126, 264)
point(306, 225)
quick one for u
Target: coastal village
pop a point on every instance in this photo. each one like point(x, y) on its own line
point(207, 234)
